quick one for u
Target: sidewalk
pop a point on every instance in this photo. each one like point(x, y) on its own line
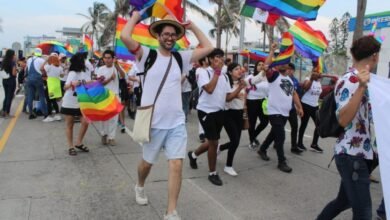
point(38, 180)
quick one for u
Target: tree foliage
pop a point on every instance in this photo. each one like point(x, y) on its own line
point(339, 35)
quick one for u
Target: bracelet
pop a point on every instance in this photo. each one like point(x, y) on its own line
point(136, 49)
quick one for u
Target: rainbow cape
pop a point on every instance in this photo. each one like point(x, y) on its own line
point(286, 50)
point(305, 9)
point(158, 8)
point(121, 50)
point(309, 43)
point(254, 54)
point(97, 103)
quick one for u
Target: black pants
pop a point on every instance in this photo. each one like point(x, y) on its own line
point(293, 120)
point(308, 112)
point(51, 103)
point(277, 134)
point(233, 125)
point(9, 90)
point(255, 111)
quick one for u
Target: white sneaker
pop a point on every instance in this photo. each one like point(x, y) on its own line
point(140, 196)
point(230, 171)
point(172, 216)
point(252, 147)
point(57, 118)
point(48, 119)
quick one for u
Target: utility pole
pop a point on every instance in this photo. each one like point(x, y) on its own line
point(241, 42)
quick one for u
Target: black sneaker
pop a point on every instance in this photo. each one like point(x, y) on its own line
point(284, 167)
point(296, 150)
point(263, 155)
point(202, 138)
point(193, 163)
point(316, 148)
point(302, 147)
point(214, 179)
point(32, 117)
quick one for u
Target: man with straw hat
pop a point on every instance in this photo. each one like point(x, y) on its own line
point(168, 129)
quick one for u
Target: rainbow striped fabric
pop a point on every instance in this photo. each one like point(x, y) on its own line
point(320, 64)
point(254, 54)
point(287, 50)
point(121, 50)
point(88, 43)
point(158, 8)
point(97, 103)
point(309, 43)
point(305, 9)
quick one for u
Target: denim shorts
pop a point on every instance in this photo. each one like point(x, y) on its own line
point(172, 141)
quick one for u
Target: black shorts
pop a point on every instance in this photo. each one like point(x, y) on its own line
point(71, 111)
point(212, 124)
point(124, 90)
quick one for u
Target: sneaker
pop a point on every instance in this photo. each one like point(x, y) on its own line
point(202, 138)
point(230, 171)
point(316, 148)
point(123, 129)
point(104, 140)
point(140, 196)
point(302, 147)
point(111, 142)
point(48, 119)
point(57, 117)
point(284, 167)
point(296, 151)
point(214, 179)
point(172, 216)
point(257, 143)
point(263, 155)
point(32, 117)
point(252, 146)
point(193, 163)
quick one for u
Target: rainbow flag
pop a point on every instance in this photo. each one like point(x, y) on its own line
point(97, 54)
point(305, 9)
point(254, 54)
point(121, 50)
point(286, 50)
point(320, 64)
point(70, 49)
point(309, 43)
point(97, 103)
point(88, 43)
point(158, 8)
point(142, 35)
point(125, 66)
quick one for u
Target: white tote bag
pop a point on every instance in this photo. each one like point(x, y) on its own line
point(143, 118)
point(3, 74)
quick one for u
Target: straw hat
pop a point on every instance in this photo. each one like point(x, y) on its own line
point(154, 27)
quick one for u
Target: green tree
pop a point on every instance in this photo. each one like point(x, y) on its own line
point(97, 14)
point(361, 11)
point(343, 29)
point(334, 36)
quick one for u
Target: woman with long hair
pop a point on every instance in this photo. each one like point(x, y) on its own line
point(257, 94)
point(71, 107)
point(233, 120)
point(9, 84)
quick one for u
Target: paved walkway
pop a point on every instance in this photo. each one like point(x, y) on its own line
point(38, 180)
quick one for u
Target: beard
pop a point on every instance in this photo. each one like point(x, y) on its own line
point(167, 45)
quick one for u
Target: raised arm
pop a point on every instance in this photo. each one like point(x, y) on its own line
point(205, 46)
point(132, 45)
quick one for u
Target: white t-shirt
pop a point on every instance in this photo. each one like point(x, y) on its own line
point(89, 67)
point(107, 72)
point(65, 67)
point(70, 100)
point(259, 91)
point(237, 103)
point(53, 71)
point(312, 95)
point(217, 100)
point(133, 73)
point(281, 90)
point(168, 112)
point(38, 62)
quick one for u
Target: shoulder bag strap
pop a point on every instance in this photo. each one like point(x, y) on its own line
point(163, 80)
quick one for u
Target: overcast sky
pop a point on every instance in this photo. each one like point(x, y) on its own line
point(25, 17)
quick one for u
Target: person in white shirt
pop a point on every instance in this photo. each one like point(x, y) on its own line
point(168, 129)
point(204, 64)
point(309, 100)
point(70, 106)
point(215, 91)
point(185, 94)
point(109, 74)
point(65, 68)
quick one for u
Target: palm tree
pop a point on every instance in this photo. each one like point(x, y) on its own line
point(97, 14)
point(361, 10)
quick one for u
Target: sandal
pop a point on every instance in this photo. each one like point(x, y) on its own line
point(82, 148)
point(72, 152)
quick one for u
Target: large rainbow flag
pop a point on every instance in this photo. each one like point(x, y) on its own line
point(158, 8)
point(97, 103)
point(309, 43)
point(286, 50)
point(305, 9)
point(121, 50)
point(254, 54)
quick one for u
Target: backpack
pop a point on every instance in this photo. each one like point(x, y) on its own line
point(150, 60)
point(327, 122)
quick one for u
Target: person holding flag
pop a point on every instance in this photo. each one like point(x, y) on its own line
point(168, 129)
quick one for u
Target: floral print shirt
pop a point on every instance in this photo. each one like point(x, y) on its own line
point(356, 140)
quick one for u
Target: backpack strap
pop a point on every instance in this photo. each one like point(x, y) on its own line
point(179, 60)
